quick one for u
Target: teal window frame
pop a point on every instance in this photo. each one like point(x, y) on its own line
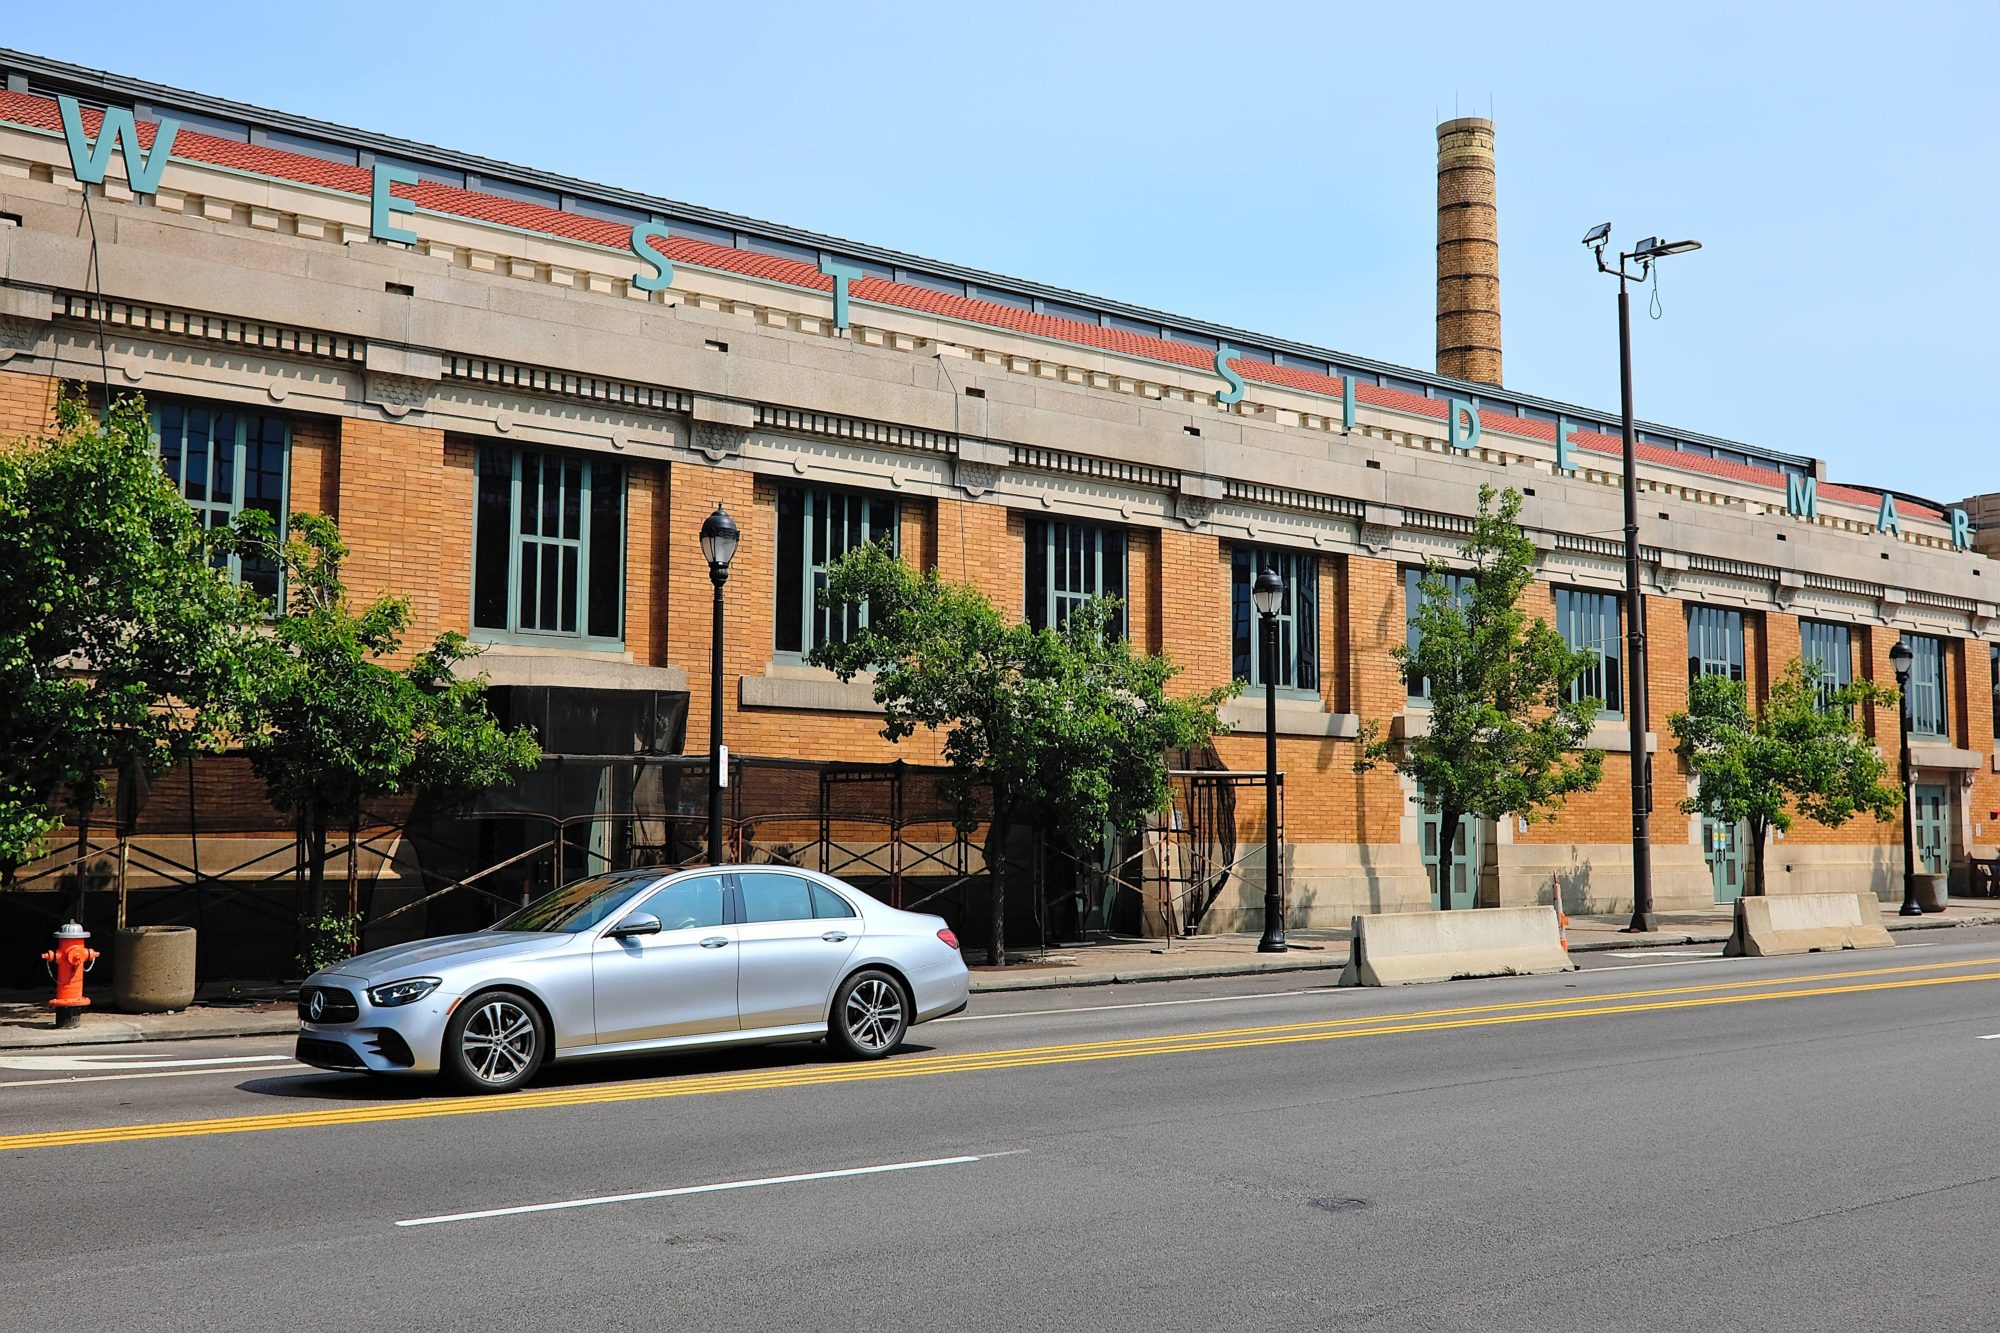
point(1419, 691)
point(1715, 642)
point(1591, 621)
point(552, 538)
point(1068, 563)
point(816, 526)
point(176, 426)
point(1828, 648)
point(1929, 703)
point(1298, 619)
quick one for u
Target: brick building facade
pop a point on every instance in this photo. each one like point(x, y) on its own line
point(478, 385)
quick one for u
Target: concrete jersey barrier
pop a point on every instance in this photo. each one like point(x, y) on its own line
point(1397, 948)
point(1806, 923)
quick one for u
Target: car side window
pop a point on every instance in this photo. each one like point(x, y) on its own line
point(828, 903)
point(773, 897)
point(687, 904)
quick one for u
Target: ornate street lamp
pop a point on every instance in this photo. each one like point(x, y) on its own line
point(718, 545)
point(1268, 592)
point(1900, 657)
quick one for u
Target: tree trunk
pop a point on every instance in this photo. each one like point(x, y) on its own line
point(354, 879)
point(1447, 836)
point(316, 866)
point(996, 875)
point(80, 871)
point(1755, 888)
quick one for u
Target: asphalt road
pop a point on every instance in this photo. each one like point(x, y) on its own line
point(1668, 1141)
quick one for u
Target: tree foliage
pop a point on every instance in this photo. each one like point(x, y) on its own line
point(1069, 727)
point(1802, 752)
point(331, 726)
point(122, 644)
point(1504, 738)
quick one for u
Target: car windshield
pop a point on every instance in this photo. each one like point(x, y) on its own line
point(572, 908)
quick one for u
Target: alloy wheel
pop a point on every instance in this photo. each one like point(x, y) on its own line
point(874, 1013)
point(499, 1041)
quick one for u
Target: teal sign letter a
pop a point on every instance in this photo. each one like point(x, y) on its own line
point(90, 161)
point(1886, 519)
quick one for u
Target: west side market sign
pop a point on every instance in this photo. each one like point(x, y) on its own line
point(90, 161)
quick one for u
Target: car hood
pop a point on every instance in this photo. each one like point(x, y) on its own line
point(478, 946)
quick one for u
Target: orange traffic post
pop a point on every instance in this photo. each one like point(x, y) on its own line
point(1562, 917)
point(67, 963)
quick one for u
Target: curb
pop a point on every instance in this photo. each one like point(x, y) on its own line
point(179, 1027)
point(992, 982)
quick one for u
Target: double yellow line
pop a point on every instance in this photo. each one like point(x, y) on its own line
point(1223, 1039)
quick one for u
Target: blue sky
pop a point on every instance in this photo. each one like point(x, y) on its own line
point(1270, 166)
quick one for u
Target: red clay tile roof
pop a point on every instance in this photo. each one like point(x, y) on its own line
point(260, 159)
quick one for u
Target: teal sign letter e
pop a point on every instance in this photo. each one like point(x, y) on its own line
point(1234, 393)
point(90, 161)
point(384, 204)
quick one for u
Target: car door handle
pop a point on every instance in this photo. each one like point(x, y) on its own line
point(714, 942)
point(834, 936)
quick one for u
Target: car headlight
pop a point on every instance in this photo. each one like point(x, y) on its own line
point(407, 991)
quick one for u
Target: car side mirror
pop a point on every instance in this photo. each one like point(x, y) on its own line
point(639, 923)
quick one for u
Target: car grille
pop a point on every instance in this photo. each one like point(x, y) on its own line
point(337, 1005)
point(327, 1054)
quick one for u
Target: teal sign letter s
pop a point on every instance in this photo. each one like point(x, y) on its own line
point(90, 161)
point(385, 204)
point(662, 276)
point(1234, 393)
point(1461, 425)
point(842, 274)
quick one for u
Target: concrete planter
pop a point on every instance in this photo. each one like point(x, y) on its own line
point(1932, 893)
point(152, 971)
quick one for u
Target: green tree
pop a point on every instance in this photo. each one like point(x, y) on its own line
point(122, 645)
point(1802, 751)
point(1068, 728)
point(331, 726)
point(1505, 738)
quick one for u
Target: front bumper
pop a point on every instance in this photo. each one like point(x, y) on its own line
point(404, 1039)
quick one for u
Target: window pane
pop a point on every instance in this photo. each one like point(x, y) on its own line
point(773, 897)
point(792, 573)
point(1038, 594)
point(1240, 577)
point(492, 521)
point(172, 427)
point(222, 490)
point(196, 487)
point(607, 547)
point(827, 903)
point(688, 904)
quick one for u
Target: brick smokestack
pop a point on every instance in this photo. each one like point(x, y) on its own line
point(1468, 301)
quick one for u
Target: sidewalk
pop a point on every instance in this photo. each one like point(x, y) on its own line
point(25, 1022)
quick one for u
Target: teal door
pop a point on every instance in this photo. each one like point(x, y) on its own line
point(1933, 819)
point(1465, 858)
point(1722, 844)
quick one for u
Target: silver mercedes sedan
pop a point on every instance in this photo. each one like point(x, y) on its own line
point(641, 960)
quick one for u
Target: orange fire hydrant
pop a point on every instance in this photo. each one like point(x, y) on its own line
point(67, 963)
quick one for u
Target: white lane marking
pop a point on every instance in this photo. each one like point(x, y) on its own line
point(686, 1190)
point(1991, 1036)
point(1640, 967)
point(1665, 953)
point(161, 1073)
point(99, 1062)
point(1137, 1004)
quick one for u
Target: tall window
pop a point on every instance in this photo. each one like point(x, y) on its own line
point(1458, 585)
point(1828, 650)
point(1588, 622)
point(1070, 563)
point(1298, 618)
point(548, 552)
point(224, 462)
point(1993, 658)
point(1928, 685)
point(1715, 642)
point(816, 526)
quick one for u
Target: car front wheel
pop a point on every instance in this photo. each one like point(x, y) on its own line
point(870, 1015)
point(494, 1043)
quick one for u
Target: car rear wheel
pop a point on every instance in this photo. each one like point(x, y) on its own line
point(870, 1015)
point(495, 1042)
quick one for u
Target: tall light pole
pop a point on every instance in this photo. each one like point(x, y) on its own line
point(1899, 658)
point(718, 545)
point(1268, 592)
point(1643, 256)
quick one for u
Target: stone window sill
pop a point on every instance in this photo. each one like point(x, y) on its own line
point(1612, 735)
point(1296, 717)
point(808, 689)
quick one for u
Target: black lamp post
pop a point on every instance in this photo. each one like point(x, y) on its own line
point(1643, 256)
point(718, 544)
point(1900, 657)
point(1268, 592)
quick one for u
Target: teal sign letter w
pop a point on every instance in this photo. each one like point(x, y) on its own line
point(89, 161)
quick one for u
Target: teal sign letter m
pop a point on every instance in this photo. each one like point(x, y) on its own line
point(90, 160)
